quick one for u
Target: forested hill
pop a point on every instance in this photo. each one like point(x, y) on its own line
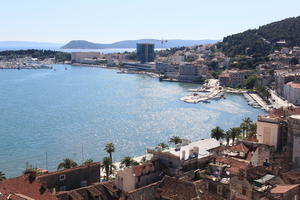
point(261, 41)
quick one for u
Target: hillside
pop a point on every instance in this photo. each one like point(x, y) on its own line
point(82, 44)
point(261, 41)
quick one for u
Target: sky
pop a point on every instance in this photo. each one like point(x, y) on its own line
point(106, 21)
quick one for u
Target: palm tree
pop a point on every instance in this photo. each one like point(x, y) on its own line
point(110, 148)
point(2, 176)
point(175, 140)
point(217, 133)
point(235, 132)
point(247, 122)
point(227, 136)
point(88, 161)
point(128, 161)
point(106, 165)
point(67, 163)
point(252, 130)
point(244, 128)
point(163, 145)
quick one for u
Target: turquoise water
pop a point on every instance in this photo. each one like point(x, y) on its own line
point(63, 112)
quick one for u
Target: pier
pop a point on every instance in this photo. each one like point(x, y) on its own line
point(213, 89)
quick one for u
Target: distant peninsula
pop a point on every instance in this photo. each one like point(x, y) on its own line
point(82, 44)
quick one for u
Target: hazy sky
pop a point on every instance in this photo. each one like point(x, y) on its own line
point(114, 20)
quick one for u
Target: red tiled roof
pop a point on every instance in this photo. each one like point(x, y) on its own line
point(138, 170)
point(253, 139)
point(175, 189)
point(22, 186)
point(235, 164)
point(239, 148)
point(281, 189)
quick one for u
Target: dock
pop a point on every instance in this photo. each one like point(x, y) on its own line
point(213, 89)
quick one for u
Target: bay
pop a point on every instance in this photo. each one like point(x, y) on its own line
point(75, 112)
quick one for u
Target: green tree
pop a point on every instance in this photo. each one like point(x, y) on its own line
point(234, 132)
point(252, 130)
point(88, 161)
point(110, 148)
point(175, 140)
point(2, 176)
point(217, 133)
point(128, 161)
point(163, 145)
point(245, 126)
point(106, 165)
point(67, 163)
point(250, 82)
point(227, 136)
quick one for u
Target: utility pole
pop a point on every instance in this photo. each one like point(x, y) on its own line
point(46, 160)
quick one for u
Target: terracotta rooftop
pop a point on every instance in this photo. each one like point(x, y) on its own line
point(236, 165)
point(239, 148)
point(282, 112)
point(96, 191)
point(175, 189)
point(21, 188)
point(291, 177)
point(281, 189)
point(139, 169)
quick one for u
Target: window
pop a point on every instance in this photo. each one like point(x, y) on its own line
point(62, 188)
point(62, 177)
point(83, 183)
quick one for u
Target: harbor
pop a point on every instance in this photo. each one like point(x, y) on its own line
point(211, 90)
point(143, 105)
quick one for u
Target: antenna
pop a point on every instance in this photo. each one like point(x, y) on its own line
point(46, 160)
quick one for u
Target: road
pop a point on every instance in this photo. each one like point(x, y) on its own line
point(277, 101)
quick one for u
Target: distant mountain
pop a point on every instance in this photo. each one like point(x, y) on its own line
point(82, 44)
point(18, 45)
point(261, 41)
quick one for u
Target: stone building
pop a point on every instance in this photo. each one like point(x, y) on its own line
point(190, 72)
point(294, 138)
point(73, 178)
point(291, 91)
point(272, 130)
point(233, 78)
point(131, 178)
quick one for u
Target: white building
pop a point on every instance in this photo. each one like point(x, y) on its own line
point(198, 149)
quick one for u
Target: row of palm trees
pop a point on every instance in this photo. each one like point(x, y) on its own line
point(247, 129)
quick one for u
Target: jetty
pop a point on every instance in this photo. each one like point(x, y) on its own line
point(212, 87)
